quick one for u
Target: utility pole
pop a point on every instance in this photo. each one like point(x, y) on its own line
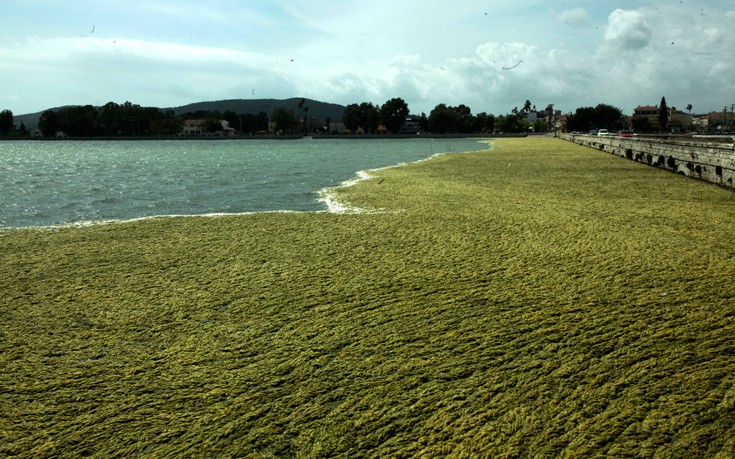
point(724, 119)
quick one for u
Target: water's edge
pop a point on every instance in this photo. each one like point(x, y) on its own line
point(328, 196)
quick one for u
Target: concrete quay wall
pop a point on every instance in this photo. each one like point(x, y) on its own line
point(712, 160)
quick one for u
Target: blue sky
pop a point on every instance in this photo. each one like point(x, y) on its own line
point(490, 56)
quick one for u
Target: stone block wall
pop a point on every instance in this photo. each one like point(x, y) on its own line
point(710, 160)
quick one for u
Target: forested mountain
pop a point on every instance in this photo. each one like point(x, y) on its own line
point(316, 109)
point(31, 119)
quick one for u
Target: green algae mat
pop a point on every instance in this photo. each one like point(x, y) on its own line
point(539, 299)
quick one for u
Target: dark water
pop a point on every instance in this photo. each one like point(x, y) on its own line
point(68, 182)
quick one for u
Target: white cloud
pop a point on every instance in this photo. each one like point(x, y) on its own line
point(576, 16)
point(581, 55)
point(684, 58)
point(628, 29)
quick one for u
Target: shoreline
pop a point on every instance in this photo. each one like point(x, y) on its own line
point(330, 195)
point(270, 137)
point(92, 223)
point(327, 195)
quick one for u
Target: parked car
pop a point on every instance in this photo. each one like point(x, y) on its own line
point(625, 133)
point(602, 132)
point(593, 132)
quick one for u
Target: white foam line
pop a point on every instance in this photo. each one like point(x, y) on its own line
point(330, 196)
point(89, 223)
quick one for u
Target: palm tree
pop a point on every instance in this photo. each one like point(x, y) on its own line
point(527, 107)
point(689, 108)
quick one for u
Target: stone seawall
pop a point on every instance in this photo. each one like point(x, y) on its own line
point(706, 159)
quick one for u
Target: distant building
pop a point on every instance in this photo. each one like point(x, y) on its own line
point(678, 120)
point(700, 123)
point(721, 121)
point(193, 127)
point(549, 115)
point(412, 125)
point(199, 128)
point(560, 122)
point(646, 111)
point(226, 131)
point(336, 127)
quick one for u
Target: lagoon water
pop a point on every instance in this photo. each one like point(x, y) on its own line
point(69, 182)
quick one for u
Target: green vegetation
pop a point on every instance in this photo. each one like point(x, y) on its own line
point(365, 116)
point(6, 122)
point(8, 128)
point(602, 116)
point(540, 299)
point(663, 116)
point(285, 120)
point(393, 114)
point(443, 119)
point(113, 120)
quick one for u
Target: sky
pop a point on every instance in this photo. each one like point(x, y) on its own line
point(489, 55)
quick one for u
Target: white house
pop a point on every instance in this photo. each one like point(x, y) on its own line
point(193, 127)
point(199, 128)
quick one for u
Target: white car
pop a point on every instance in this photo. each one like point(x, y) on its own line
point(603, 133)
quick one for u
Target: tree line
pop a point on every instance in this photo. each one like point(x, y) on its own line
point(6, 124)
point(444, 119)
point(602, 116)
point(111, 119)
point(130, 119)
point(392, 116)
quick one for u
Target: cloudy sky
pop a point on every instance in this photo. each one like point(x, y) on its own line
point(490, 55)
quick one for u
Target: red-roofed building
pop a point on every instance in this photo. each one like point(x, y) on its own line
point(646, 110)
point(677, 119)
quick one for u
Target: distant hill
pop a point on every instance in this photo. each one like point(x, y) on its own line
point(318, 110)
point(31, 119)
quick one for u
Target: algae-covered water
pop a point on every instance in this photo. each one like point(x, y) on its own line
point(63, 182)
point(540, 299)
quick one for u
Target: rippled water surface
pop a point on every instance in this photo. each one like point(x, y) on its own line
point(63, 182)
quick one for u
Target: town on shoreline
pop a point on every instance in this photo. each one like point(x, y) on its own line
point(300, 117)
